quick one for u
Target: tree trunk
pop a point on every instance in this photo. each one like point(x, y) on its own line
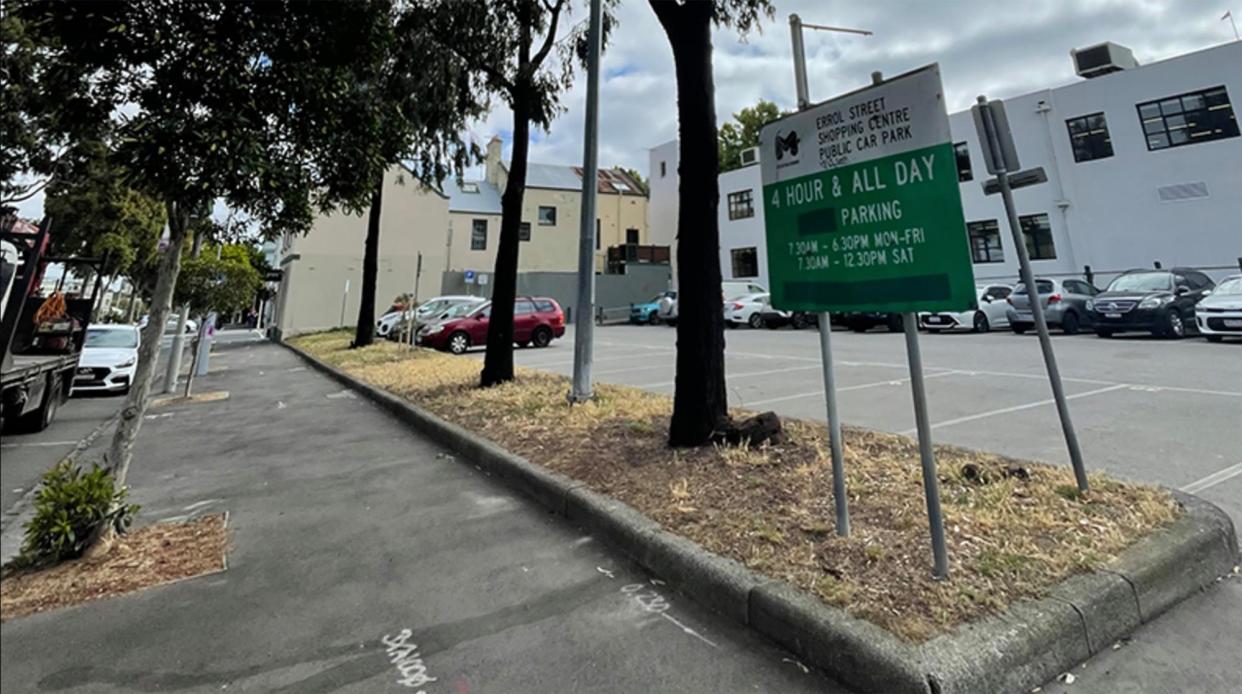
point(131, 311)
point(121, 451)
point(364, 334)
point(498, 362)
point(700, 403)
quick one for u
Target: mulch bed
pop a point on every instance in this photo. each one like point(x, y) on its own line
point(146, 557)
point(1014, 528)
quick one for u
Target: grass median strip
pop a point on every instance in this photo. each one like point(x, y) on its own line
point(1015, 528)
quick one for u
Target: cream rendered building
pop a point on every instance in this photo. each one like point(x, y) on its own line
point(322, 271)
point(551, 207)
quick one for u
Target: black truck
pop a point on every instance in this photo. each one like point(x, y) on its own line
point(40, 358)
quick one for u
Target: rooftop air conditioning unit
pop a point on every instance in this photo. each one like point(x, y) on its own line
point(750, 156)
point(1102, 59)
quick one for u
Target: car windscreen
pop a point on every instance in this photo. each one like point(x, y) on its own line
point(434, 306)
point(459, 310)
point(112, 339)
point(1229, 286)
point(1044, 287)
point(1141, 282)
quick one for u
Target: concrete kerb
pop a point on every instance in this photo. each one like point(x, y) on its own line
point(1028, 645)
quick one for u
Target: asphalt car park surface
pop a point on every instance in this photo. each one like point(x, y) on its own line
point(1147, 409)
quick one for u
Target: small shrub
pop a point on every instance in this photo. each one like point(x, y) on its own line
point(71, 508)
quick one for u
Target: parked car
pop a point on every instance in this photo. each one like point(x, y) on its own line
point(649, 312)
point(170, 324)
point(989, 314)
point(1220, 314)
point(393, 323)
point(666, 312)
point(536, 320)
point(775, 318)
point(1064, 303)
point(1161, 302)
point(109, 358)
point(861, 322)
point(746, 310)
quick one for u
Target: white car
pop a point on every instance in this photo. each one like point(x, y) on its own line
point(746, 310)
point(109, 358)
point(1219, 314)
point(992, 312)
point(429, 311)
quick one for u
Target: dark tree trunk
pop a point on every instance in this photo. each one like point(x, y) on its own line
point(498, 362)
point(700, 403)
point(365, 333)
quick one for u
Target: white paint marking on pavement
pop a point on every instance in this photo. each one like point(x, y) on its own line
point(407, 659)
point(38, 443)
point(570, 362)
point(295, 369)
point(1213, 479)
point(160, 416)
point(199, 504)
point(280, 404)
point(1197, 391)
point(654, 603)
point(688, 630)
point(860, 386)
point(1016, 408)
point(731, 376)
point(648, 367)
point(347, 394)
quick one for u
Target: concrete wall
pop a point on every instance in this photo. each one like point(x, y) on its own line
point(318, 266)
point(663, 161)
point(639, 284)
point(746, 232)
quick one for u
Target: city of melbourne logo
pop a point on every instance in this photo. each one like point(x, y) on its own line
point(787, 144)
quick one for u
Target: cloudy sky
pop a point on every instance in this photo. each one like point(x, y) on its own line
point(983, 47)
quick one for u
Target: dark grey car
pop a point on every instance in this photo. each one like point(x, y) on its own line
point(1064, 303)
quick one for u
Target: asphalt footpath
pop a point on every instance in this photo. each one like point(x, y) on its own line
point(357, 543)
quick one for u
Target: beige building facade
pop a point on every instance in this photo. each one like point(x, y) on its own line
point(322, 271)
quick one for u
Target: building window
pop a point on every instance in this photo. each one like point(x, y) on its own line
point(631, 237)
point(962, 150)
point(985, 242)
point(524, 231)
point(547, 216)
point(1189, 118)
point(745, 262)
point(741, 205)
point(597, 234)
point(1037, 232)
point(663, 169)
point(1089, 137)
point(478, 235)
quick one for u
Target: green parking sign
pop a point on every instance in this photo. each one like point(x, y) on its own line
point(861, 203)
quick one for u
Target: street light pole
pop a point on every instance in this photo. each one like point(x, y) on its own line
point(584, 313)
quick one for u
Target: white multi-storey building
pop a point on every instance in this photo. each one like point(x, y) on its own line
point(1144, 165)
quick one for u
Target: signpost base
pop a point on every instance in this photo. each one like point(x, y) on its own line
point(931, 481)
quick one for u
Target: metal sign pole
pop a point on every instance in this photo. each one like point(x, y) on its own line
point(992, 136)
point(584, 326)
point(840, 499)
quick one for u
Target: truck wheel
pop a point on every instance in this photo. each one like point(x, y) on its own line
point(42, 416)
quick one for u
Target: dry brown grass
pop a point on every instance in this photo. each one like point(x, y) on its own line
point(1009, 537)
point(150, 556)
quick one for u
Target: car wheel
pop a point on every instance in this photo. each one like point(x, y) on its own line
point(895, 323)
point(458, 342)
point(1069, 323)
point(1103, 332)
point(755, 321)
point(670, 322)
point(1174, 327)
point(653, 318)
point(771, 324)
point(523, 344)
point(730, 324)
point(800, 321)
point(1214, 338)
point(542, 337)
point(981, 323)
point(858, 327)
point(1019, 328)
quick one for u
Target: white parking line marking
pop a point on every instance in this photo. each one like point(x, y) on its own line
point(1016, 408)
point(38, 443)
point(1213, 479)
point(596, 360)
point(731, 376)
point(860, 386)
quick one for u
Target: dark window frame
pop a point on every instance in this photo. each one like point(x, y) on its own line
point(741, 204)
point(597, 234)
point(632, 237)
point(1039, 242)
point(961, 150)
point(985, 231)
point(663, 169)
point(739, 262)
point(524, 231)
point(478, 234)
point(1089, 141)
point(551, 221)
point(1187, 119)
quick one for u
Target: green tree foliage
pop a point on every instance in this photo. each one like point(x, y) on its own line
point(245, 102)
point(700, 403)
point(220, 279)
point(520, 54)
point(742, 132)
point(638, 178)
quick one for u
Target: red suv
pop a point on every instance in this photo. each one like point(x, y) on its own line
point(536, 320)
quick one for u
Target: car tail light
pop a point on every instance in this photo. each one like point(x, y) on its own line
point(737, 306)
point(558, 319)
point(1054, 298)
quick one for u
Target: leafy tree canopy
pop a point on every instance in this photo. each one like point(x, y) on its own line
point(223, 284)
point(742, 132)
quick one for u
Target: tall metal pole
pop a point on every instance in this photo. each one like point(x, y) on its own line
point(584, 325)
point(839, 495)
point(1037, 309)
